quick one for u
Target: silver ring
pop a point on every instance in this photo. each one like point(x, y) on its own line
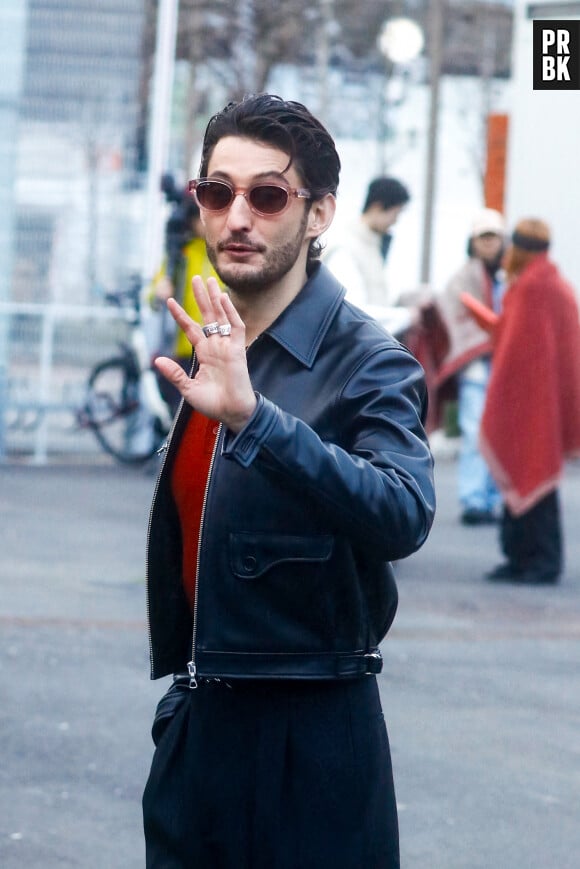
point(225, 330)
point(211, 329)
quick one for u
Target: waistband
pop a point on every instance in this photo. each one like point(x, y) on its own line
point(225, 667)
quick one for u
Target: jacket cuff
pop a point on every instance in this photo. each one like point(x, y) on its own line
point(244, 446)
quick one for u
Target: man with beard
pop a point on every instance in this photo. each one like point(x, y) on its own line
point(296, 470)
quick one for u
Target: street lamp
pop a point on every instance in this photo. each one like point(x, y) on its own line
point(400, 41)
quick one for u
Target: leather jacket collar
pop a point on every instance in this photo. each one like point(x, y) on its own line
point(301, 327)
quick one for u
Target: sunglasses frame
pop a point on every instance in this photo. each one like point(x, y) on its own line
point(246, 192)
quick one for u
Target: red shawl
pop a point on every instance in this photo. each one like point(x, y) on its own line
point(531, 421)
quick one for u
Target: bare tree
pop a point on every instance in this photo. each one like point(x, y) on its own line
point(236, 43)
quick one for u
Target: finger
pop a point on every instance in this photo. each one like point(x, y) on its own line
point(227, 318)
point(231, 313)
point(172, 372)
point(224, 311)
point(202, 298)
point(231, 316)
point(191, 329)
point(216, 295)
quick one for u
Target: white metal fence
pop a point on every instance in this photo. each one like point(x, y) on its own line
point(46, 355)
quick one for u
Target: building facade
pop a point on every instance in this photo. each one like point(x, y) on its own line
point(77, 151)
point(544, 132)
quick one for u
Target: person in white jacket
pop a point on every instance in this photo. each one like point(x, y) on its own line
point(357, 259)
point(469, 359)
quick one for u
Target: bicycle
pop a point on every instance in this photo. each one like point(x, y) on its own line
point(123, 406)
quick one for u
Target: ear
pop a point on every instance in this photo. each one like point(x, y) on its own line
point(320, 215)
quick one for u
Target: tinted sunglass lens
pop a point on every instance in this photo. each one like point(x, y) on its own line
point(268, 198)
point(214, 195)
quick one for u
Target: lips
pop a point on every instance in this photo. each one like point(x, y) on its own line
point(239, 251)
point(239, 247)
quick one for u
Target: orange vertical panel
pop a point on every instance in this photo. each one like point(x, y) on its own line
point(495, 166)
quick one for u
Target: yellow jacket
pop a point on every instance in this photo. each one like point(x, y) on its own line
point(196, 262)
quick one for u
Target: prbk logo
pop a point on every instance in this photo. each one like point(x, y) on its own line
point(557, 55)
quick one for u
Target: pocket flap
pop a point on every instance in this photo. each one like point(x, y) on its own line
point(251, 555)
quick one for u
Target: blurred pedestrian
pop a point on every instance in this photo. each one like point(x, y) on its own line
point(357, 257)
point(468, 359)
point(297, 469)
point(531, 421)
point(185, 256)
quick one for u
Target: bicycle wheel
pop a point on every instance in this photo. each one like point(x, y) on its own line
point(114, 412)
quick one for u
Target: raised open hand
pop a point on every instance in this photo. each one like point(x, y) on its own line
point(221, 388)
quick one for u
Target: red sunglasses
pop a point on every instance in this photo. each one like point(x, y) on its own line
point(263, 198)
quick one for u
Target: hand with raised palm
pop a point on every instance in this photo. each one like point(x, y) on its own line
point(221, 388)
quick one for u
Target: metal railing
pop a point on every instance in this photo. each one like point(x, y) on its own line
point(46, 353)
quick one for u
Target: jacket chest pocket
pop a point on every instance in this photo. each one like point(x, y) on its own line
point(252, 555)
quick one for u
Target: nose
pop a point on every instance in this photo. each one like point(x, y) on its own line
point(239, 214)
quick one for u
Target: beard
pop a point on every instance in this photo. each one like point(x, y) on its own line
point(276, 262)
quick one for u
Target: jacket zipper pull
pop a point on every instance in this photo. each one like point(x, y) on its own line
point(191, 669)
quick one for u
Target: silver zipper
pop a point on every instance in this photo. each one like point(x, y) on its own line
point(192, 667)
point(164, 450)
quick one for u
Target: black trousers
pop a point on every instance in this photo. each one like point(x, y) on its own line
point(271, 775)
point(532, 542)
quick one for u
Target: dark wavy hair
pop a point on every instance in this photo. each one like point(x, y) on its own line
point(286, 125)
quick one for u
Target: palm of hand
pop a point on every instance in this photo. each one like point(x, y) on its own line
point(221, 388)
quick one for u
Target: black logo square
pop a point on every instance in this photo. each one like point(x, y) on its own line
point(557, 55)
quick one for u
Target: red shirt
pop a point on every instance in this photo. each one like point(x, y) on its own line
point(188, 482)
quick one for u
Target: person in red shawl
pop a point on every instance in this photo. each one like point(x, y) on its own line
point(531, 420)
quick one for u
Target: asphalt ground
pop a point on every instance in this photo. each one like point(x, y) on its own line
point(480, 686)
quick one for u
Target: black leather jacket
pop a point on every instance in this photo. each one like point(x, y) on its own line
point(330, 480)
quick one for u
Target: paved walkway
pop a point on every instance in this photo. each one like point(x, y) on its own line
point(480, 686)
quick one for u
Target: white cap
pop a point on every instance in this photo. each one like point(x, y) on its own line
point(487, 220)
